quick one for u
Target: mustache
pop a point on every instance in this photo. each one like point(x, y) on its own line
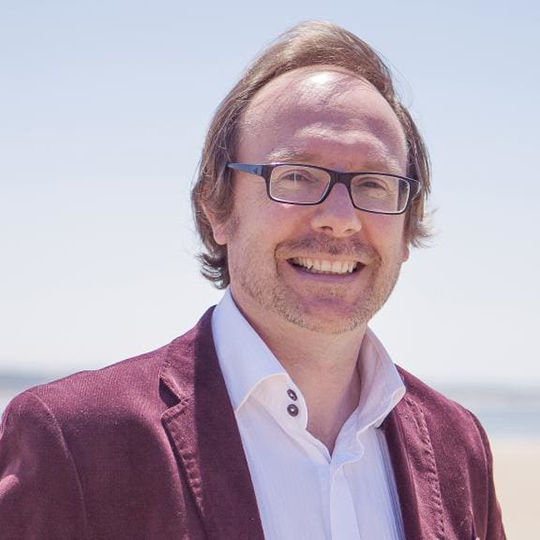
point(317, 245)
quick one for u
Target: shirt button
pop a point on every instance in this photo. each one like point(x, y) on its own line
point(292, 394)
point(292, 409)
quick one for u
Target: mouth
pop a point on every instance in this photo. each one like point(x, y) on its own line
point(325, 266)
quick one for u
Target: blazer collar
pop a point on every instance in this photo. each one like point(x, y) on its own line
point(415, 470)
point(202, 428)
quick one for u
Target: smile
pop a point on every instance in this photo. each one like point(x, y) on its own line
point(323, 266)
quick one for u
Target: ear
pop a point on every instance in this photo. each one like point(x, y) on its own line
point(405, 251)
point(219, 228)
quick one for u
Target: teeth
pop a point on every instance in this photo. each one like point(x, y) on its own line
point(326, 266)
point(323, 266)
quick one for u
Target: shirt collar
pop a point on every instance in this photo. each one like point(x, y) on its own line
point(247, 363)
point(382, 387)
point(244, 358)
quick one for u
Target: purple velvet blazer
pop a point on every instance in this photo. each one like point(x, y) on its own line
point(149, 449)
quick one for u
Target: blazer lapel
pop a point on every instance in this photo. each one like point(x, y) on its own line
point(415, 471)
point(202, 428)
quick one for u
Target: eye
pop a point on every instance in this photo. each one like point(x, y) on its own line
point(374, 186)
point(298, 183)
point(293, 176)
point(368, 182)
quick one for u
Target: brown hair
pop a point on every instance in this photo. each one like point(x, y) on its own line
point(306, 44)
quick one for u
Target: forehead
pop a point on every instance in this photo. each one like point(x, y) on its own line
point(324, 115)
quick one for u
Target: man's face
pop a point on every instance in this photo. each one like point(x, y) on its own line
point(329, 118)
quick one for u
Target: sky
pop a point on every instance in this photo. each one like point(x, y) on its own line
point(103, 110)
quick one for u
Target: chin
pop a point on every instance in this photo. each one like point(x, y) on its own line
point(326, 317)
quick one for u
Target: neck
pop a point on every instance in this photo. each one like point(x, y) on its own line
point(323, 366)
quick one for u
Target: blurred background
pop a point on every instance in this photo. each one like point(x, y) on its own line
point(103, 110)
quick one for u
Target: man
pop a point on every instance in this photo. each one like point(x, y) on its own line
point(280, 415)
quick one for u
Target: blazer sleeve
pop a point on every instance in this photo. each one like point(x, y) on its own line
point(494, 525)
point(40, 492)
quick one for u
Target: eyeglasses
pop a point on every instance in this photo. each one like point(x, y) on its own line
point(380, 193)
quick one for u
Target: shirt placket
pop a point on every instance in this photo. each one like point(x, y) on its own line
point(343, 521)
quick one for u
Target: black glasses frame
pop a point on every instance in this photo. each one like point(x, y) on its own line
point(345, 178)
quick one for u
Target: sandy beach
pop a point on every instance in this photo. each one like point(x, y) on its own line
point(517, 477)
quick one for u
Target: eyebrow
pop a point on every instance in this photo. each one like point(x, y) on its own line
point(288, 155)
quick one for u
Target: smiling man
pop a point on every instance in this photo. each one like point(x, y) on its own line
point(322, 267)
point(280, 415)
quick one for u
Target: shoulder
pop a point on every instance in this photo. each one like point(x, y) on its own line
point(58, 440)
point(137, 389)
point(91, 416)
point(453, 431)
point(440, 431)
point(131, 384)
point(93, 390)
point(432, 402)
point(76, 414)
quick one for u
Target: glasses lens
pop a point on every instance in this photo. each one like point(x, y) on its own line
point(298, 183)
point(380, 193)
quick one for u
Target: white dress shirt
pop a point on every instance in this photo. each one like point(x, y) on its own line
point(302, 491)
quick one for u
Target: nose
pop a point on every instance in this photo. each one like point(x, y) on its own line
point(336, 215)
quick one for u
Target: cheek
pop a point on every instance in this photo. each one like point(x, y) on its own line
point(271, 219)
point(254, 227)
point(387, 234)
point(250, 199)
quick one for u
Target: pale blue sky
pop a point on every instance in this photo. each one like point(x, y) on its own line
point(103, 109)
